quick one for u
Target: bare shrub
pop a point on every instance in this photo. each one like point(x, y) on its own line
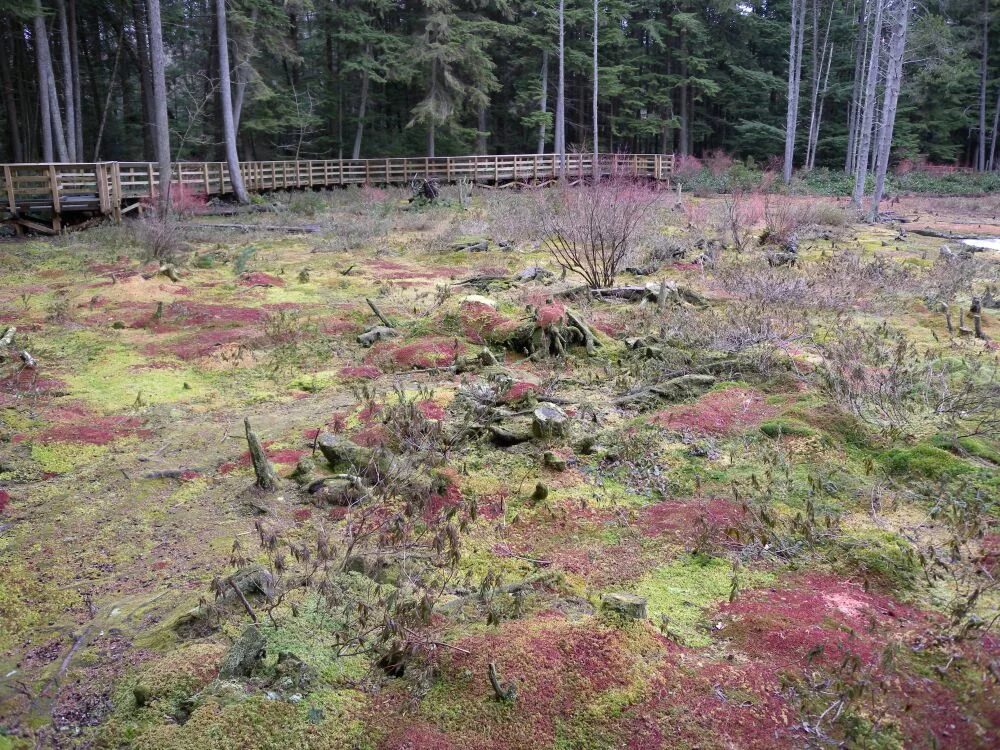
point(743, 210)
point(782, 217)
point(877, 375)
point(759, 281)
point(829, 215)
point(735, 329)
point(950, 276)
point(593, 230)
point(160, 239)
point(380, 571)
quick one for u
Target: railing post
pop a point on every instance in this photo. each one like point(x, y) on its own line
point(116, 190)
point(8, 178)
point(101, 182)
point(56, 206)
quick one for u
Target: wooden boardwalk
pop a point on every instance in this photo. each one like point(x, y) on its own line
point(39, 196)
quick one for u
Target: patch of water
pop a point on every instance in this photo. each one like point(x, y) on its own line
point(983, 244)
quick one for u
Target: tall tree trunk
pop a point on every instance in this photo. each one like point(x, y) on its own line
point(69, 101)
point(560, 136)
point(684, 143)
point(481, 131)
point(821, 54)
point(74, 55)
point(226, 105)
point(362, 105)
point(242, 71)
point(597, 170)
point(893, 81)
point(855, 105)
point(543, 101)
point(984, 70)
point(145, 78)
point(158, 65)
point(996, 135)
point(52, 130)
point(430, 138)
point(811, 164)
point(10, 101)
point(864, 136)
point(103, 116)
point(795, 43)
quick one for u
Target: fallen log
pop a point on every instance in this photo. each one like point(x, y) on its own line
point(305, 229)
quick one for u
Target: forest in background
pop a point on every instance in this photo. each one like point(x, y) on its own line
point(373, 78)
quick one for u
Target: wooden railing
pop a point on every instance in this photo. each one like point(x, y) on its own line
point(109, 188)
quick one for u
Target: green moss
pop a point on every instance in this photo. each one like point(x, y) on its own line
point(925, 461)
point(973, 446)
point(28, 602)
point(62, 458)
point(883, 555)
point(779, 427)
point(323, 721)
point(310, 636)
point(679, 592)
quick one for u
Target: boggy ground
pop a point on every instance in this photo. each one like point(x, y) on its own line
point(814, 530)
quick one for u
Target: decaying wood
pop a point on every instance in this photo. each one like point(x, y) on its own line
point(305, 229)
point(8, 336)
point(266, 478)
point(385, 321)
point(506, 694)
point(243, 600)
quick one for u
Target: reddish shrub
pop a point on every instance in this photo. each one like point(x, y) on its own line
point(362, 372)
point(550, 314)
point(685, 521)
point(687, 167)
point(95, 431)
point(423, 354)
point(431, 409)
point(4, 500)
point(725, 412)
point(256, 278)
point(519, 391)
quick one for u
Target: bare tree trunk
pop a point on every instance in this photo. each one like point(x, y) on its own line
point(868, 115)
point(107, 100)
point(226, 105)
point(158, 67)
point(560, 136)
point(430, 121)
point(10, 101)
point(893, 81)
point(685, 132)
point(855, 105)
point(821, 54)
point(69, 101)
point(74, 55)
point(145, 77)
point(52, 131)
point(996, 134)
point(543, 102)
point(362, 106)
point(795, 44)
point(984, 70)
point(597, 169)
point(481, 131)
point(242, 73)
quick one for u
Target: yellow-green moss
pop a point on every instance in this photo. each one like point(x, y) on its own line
point(679, 592)
point(62, 458)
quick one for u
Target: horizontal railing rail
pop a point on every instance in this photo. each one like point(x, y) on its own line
point(107, 187)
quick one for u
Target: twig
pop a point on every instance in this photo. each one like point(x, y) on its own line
point(243, 599)
point(385, 321)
